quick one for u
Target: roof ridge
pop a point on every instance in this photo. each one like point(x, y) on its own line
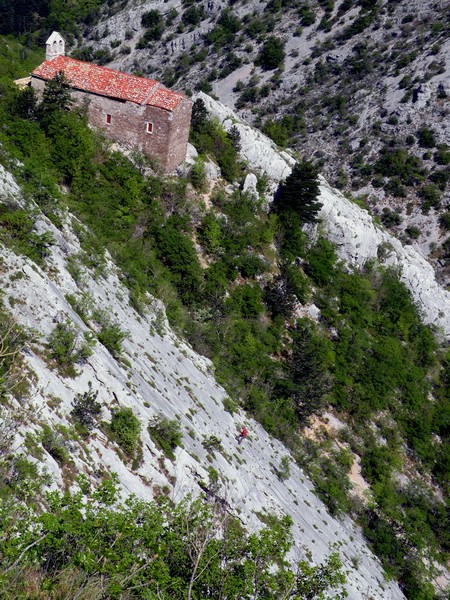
point(154, 89)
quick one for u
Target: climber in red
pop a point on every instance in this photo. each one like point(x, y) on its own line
point(242, 435)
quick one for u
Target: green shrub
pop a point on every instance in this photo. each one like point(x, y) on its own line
point(166, 434)
point(442, 156)
point(426, 137)
point(210, 233)
point(65, 349)
point(198, 174)
point(272, 53)
point(126, 427)
point(413, 232)
point(284, 470)
point(211, 443)
point(55, 445)
point(153, 21)
point(431, 197)
point(86, 411)
point(112, 336)
point(444, 221)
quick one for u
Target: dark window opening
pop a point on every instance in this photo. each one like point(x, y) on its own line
point(149, 128)
point(108, 119)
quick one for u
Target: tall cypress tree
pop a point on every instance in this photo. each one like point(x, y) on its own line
point(299, 193)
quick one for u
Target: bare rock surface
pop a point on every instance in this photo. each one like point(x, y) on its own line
point(158, 374)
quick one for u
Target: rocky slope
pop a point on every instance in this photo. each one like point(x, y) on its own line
point(349, 227)
point(157, 374)
point(357, 80)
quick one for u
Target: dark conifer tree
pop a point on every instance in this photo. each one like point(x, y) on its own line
point(299, 193)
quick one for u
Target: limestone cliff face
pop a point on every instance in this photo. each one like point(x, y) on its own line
point(159, 374)
point(356, 236)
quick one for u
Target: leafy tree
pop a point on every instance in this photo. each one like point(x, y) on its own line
point(313, 582)
point(321, 261)
point(25, 104)
point(272, 53)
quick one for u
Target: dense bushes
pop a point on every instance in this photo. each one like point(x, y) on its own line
point(210, 138)
point(125, 427)
point(96, 545)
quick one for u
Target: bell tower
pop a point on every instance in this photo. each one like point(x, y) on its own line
point(54, 46)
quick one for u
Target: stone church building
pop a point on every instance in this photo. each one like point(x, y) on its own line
point(136, 112)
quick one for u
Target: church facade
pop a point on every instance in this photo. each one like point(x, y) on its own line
point(137, 112)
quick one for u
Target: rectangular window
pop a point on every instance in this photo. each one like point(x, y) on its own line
point(149, 128)
point(108, 119)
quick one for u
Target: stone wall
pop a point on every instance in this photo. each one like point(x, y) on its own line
point(126, 123)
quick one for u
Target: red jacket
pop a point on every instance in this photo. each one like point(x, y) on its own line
point(244, 432)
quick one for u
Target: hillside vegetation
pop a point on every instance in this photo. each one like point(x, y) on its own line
point(361, 86)
point(234, 277)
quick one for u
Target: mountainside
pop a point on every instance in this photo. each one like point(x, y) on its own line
point(362, 87)
point(297, 308)
point(351, 228)
point(157, 375)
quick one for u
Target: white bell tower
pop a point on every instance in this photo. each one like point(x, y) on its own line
point(54, 46)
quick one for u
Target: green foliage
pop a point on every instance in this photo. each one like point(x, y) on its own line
point(210, 233)
point(193, 15)
point(126, 427)
point(307, 16)
point(430, 197)
point(166, 434)
point(153, 21)
point(176, 250)
point(56, 96)
point(444, 221)
point(198, 174)
point(86, 411)
point(112, 336)
point(188, 550)
point(299, 193)
point(210, 138)
point(212, 442)
point(246, 301)
point(65, 349)
point(398, 162)
point(312, 582)
point(321, 261)
point(426, 137)
point(225, 30)
point(284, 470)
point(310, 364)
point(368, 356)
point(55, 445)
point(272, 53)
point(12, 341)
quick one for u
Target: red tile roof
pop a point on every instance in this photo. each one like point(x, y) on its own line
point(107, 82)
